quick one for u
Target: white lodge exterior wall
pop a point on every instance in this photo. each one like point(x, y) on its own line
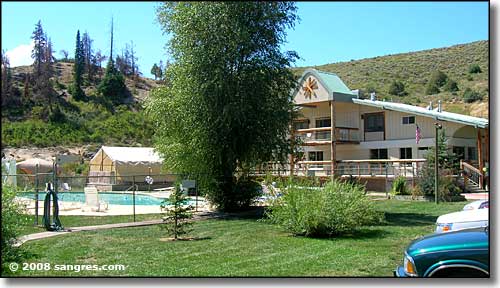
point(397, 134)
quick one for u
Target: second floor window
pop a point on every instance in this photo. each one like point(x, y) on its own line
point(409, 120)
point(374, 122)
point(301, 124)
point(316, 156)
point(325, 122)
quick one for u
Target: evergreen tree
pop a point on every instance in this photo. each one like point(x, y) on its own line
point(88, 55)
point(154, 71)
point(177, 214)
point(76, 90)
point(112, 85)
point(448, 165)
point(38, 52)
point(8, 90)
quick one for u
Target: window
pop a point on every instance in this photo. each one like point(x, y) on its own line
point(423, 148)
point(324, 122)
point(378, 154)
point(374, 122)
point(405, 153)
point(459, 151)
point(323, 135)
point(301, 124)
point(409, 120)
point(472, 152)
point(316, 156)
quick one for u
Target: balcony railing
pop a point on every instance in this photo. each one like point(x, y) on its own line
point(322, 135)
point(361, 168)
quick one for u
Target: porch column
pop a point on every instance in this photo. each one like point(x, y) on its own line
point(480, 156)
point(333, 137)
point(486, 145)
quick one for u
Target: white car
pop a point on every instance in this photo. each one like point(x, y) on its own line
point(462, 220)
point(479, 204)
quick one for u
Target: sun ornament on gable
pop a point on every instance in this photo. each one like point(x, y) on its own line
point(309, 86)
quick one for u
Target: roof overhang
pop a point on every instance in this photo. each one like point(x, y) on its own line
point(440, 116)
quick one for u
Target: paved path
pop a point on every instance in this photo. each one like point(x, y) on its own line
point(42, 235)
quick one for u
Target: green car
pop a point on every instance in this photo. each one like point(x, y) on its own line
point(463, 253)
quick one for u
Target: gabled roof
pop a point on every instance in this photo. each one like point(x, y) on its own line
point(443, 115)
point(132, 155)
point(332, 83)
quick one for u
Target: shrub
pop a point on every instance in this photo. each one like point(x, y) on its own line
point(431, 89)
point(399, 186)
point(451, 86)
point(471, 96)
point(13, 219)
point(336, 209)
point(474, 68)
point(397, 88)
point(438, 78)
point(470, 78)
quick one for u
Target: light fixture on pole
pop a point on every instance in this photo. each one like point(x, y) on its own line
point(436, 163)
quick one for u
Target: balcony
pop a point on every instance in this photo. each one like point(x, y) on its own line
point(322, 136)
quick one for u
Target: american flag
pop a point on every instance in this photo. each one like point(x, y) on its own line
point(417, 134)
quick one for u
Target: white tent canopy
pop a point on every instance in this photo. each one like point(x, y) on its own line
point(132, 155)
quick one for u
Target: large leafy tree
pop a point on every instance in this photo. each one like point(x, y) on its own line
point(227, 105)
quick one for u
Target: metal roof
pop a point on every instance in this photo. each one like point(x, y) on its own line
point(442, 116)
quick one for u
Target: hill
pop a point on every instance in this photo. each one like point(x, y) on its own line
point(414, 70)
point(93, 122)
point(96, 122)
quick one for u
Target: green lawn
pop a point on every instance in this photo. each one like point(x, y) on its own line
point(243, 247)
point(77, 221)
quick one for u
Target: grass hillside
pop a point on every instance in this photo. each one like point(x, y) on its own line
point(414, 70)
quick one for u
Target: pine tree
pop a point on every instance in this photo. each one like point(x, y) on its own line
point(76, 90)
point(177, 214)
point(38, 51)
point(88, 55)
point(154, 71)
point(112, 85)
point(6, 81)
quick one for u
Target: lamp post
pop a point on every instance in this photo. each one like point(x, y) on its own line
point(436, 163)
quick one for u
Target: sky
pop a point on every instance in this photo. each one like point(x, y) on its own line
point(328, 32)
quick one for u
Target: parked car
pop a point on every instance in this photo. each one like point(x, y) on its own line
point(479, 204)
point(463, 254)
point(462, 220)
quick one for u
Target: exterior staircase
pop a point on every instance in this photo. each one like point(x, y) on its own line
point(470, 182)
point(471, 186)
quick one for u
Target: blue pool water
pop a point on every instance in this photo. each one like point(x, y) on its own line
point(110, 198)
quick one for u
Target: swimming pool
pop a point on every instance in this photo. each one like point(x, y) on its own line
point(109, 197)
